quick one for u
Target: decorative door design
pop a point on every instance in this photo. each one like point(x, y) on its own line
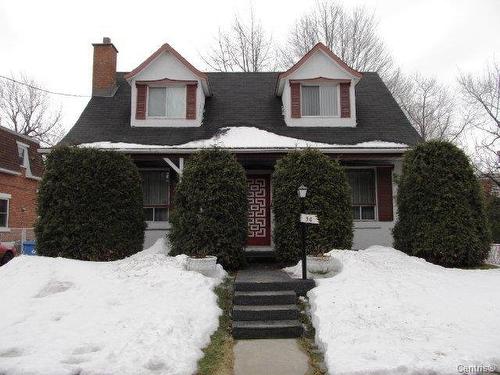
point(259, 210)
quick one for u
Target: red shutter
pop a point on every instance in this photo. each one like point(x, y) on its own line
point(384, 193)
point(295, 99)
point(191, 101)
point(140, 109)
point(345, 100)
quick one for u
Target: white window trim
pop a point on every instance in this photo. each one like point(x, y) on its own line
point(165, 117)
point(7, 197)
point(318, 85)
point(26, 162)
point(26, 158)
point(375, 176)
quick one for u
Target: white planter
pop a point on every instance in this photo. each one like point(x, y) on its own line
point(319, 264)
point(205, 265)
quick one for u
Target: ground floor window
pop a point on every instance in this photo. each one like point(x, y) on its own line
point(4, 210)
point(362, 183)
point(155, 188)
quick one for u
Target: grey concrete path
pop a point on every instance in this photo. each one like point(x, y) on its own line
point(269, 357)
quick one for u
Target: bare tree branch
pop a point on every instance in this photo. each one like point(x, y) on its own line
point(351, 35)
point(481, 93)
point(26, 110)
point(245, 47)
point(430, 107)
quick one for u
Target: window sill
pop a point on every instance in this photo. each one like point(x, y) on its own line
point(325, 117)
point(166, 123)
point(158, 225)
point(165, 118)
point(4, 229)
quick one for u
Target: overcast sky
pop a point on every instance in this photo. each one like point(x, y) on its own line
point(51, 40)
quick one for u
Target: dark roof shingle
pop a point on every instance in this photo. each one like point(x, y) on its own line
point(245, 99)
point(9, 157)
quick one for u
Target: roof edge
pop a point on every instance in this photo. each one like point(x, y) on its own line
point(165, 48)
point(320, 47)
point(326, 150)
point(26, 137)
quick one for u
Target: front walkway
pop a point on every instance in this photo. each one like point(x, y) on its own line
point(269, 356)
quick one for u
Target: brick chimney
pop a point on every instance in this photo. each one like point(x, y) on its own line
point(104, 68)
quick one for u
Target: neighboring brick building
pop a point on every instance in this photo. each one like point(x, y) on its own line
point(21, 168)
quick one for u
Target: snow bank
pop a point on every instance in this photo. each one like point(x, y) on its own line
point(141, 315)
point(244, 137)
point(389, 313)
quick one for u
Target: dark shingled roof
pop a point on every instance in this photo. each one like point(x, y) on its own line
point(9, 157)
point(245, 99)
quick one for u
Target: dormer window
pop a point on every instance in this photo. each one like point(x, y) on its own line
point(22, 152)
point(167, 102)
point(320, 100)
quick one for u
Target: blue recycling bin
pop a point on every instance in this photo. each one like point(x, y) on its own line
point(29, 248)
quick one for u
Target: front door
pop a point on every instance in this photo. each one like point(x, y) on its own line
point(259, 210)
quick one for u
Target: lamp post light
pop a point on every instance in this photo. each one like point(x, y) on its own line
point(302, 192)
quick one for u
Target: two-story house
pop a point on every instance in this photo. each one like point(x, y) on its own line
point(166, 109)
point(21, 169)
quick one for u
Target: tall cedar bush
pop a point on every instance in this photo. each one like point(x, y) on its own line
point(89, 206)
point(328, 196)
point(210, 208)
point(441, 211)
point(493, 211)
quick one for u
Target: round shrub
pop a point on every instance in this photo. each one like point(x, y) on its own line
point(89, 206)
point(210, 208)
point(441, 212)
point(328, 196)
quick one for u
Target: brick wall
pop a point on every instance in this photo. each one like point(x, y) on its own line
point(104, 69)
point(22, 204)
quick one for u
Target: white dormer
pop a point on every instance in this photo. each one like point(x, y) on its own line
point(319, 90)
point(167, 91)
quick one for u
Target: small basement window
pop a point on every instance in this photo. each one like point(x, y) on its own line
point(155, 188)
point(168, 102)
point(362, 183)
point(4, 211)
point(320, 101)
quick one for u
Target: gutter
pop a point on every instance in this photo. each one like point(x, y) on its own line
point(173, 150)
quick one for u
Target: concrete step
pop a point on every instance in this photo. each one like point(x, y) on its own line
point(260, 256)
point(276, 329)
point(263, 286)
point(282, 297)
point(265, 312)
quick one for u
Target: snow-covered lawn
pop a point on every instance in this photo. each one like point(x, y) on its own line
point(389, 313)
point(141, 315)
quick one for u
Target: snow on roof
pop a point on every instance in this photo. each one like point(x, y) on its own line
point(243, 138)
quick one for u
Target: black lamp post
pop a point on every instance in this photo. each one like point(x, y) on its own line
point(302, 192)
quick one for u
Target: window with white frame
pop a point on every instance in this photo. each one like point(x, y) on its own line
point(4, 210)
point(22, 152)
point(362, 183)
point(155, 189)
point(168, 102)
point(320, 100)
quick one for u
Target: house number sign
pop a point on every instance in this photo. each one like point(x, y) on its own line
point(309, 219)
